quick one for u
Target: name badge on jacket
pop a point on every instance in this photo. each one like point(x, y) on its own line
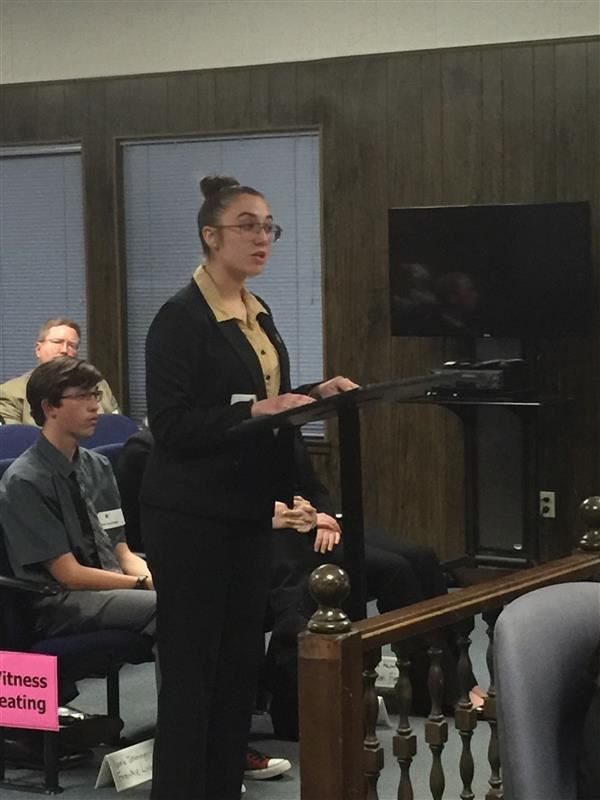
point(242, 398)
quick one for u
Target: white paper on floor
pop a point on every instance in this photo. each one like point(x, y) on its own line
point(127, 767)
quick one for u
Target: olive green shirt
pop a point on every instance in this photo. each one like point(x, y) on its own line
point(14, 407)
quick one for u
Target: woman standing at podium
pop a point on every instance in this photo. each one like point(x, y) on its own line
point(214, 359)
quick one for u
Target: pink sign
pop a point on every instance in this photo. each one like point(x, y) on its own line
point(28, 691)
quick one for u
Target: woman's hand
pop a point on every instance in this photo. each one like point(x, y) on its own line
point(328, 533)
point(282, 402)
point(279, 515)
point(302, 517)
point(306, 515)
point(333, 386)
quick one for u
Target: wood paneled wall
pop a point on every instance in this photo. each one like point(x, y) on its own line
point(501, 123)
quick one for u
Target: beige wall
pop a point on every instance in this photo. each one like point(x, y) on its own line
point(55, 39)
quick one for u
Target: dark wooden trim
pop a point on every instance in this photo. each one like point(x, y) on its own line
point(43, 143)
point(121, 267)
point(448, 609)
point(134, 138)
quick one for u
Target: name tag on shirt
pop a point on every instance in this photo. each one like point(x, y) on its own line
point(111, 519)
point(242, 398)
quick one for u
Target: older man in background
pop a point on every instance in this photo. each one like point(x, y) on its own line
point(57, 337)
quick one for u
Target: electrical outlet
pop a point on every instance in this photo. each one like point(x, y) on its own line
point(548, 505)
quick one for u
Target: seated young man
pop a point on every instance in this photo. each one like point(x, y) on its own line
point(61, 513)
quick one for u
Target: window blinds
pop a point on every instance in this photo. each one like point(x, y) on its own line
point(42, 251)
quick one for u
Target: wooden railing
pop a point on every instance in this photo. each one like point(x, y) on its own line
point(340, 755)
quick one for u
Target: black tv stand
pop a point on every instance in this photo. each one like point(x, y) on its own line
point(529, 408)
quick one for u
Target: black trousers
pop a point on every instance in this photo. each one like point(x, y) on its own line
point(398, 572)
point(211, 581)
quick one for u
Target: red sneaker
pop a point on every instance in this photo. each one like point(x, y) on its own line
point(260, 767)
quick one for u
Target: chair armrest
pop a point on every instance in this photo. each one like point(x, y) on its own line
point(33, 587)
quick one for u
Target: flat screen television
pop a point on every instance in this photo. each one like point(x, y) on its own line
point(507, 271)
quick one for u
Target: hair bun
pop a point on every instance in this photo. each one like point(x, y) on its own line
point(211, 184)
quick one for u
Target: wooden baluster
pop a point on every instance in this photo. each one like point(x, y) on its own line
point(495, 791)
point(373, 751)
point(436, 727)
point(465, 716)
point(405, 742)
point(590, 511)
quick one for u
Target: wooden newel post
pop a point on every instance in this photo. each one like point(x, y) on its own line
point(330, 586)
point(330, 665)
point(590, 511)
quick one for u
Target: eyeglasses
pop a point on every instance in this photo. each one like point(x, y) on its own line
point(74, 346)
point(250, 229)
point(96, 395)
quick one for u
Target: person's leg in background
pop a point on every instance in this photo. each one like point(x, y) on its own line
point(391, 578)
point(423, 560)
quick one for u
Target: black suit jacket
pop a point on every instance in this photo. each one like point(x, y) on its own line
point(194, 365)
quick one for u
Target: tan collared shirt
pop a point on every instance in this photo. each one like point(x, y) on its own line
point(15, 408)
point(250, 327)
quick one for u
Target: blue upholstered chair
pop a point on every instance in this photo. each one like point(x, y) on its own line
point(544, 644)
point(110, 428)
point(15, 439)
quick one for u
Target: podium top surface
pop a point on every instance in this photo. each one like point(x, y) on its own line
point(403, 389)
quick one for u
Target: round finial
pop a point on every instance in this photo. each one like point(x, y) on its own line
point(329, 585)
point(590, 511)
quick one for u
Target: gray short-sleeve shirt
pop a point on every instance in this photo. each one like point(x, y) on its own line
point(38, 513)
